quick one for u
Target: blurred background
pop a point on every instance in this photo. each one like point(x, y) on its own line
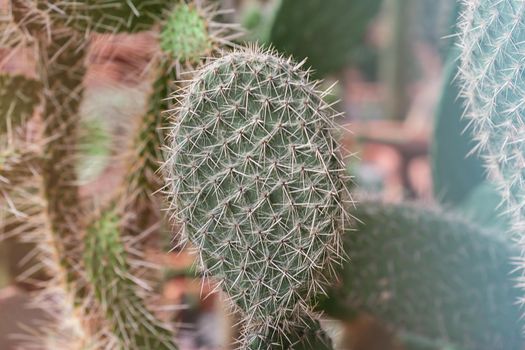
point(391, 65)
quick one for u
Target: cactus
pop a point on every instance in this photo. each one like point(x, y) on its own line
point(187, 35)
point(62, 71)
point(459, 177)
point(116, 289)
point(326, 35)
point(258, 184)
point(492, 46)
point(455, 171)
point(431, 274)
point(72, 244)
point(18, 97)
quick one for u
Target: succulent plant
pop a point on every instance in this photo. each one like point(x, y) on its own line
point(455, 171)
point(492, 78)
point(429, 273)
point(258, 184)
point(115, 288)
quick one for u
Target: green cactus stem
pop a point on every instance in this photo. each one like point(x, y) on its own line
point(106, 261)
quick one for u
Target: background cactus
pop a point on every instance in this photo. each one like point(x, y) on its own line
point(115, 288)
point(325, 35)
point(444, 279)
point(259, 185)
point(456, 172)
point(492, 47)
point(61, 32)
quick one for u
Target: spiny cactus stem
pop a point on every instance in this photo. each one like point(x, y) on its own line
point(115, 289)
point(144, 178)
point(62, 71)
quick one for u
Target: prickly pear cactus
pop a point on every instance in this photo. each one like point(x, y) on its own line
point(258, 184)
point(18, 97)
point(431, 274)
point(493, 83)
point(133, 326)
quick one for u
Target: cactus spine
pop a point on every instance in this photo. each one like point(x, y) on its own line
point(443, 278)
point(492, 45)
point(259, 185)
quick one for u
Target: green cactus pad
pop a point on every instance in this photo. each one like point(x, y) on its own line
point(326, 34)
point(258, 183)
point(18, 98)
point(430, 274)
point(185, 34)
point(108, 271)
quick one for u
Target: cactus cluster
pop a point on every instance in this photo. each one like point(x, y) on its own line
point(89, 255)
point(259, 185)
point(255, 177)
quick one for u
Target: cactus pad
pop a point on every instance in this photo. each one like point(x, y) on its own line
point(431, 274)
point(185, 34)
point(258, 183)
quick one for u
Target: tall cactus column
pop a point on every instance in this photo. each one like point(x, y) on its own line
point(259, 186)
